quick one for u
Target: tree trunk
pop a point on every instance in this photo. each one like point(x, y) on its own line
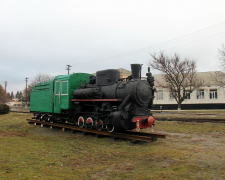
point(179, 106)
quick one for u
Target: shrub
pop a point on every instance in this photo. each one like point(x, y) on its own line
point(4, 109)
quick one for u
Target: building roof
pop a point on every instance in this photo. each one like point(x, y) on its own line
point(206, 77)
point(124, 71)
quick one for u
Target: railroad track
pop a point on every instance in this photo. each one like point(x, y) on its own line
point(21, 112)
point(135, 137)
point(192, 120)
point(170, 119)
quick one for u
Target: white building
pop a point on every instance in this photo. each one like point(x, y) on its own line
point(209, 96)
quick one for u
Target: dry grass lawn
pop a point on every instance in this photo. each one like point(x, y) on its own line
point(190, 151)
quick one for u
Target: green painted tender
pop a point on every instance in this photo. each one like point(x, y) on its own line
point(54, 96)
point(42, 97)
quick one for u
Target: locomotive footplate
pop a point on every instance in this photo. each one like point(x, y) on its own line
point(99, 100)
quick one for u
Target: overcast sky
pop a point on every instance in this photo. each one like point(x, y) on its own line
point(43, 36)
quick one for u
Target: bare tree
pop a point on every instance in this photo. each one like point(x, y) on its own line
point(222, 57)
point(40, 78)
point(219, 77)
point(179, 76)
point(2, 95)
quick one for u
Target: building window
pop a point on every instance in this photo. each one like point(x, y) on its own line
point(200, 94)
point(159, 95)
point(187, 93)
point(172, 95)
point(213, 94)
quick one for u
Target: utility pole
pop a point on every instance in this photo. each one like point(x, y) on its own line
point(68, 68)
point(26, 90)
point(5, 86)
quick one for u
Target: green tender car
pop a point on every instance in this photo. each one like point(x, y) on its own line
point(51, 101)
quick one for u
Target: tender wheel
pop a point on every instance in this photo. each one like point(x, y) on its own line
point(99, 125)
point(45, 118)
point(49, 118)
point(110, 128)
point(38, 117)
point(52, 119)
point(81, 122)
point(89, 122)
point(42, 117)
point(35, 115)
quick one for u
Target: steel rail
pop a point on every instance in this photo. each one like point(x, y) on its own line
point(131, 135)
point(192, 120)
point(21, 112)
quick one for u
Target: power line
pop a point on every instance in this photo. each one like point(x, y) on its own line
point(189, 36)
point(5, 85)
point(194, 34)
point(172, 41)
point(26, 89)
point(197, 40)
point(165, 50)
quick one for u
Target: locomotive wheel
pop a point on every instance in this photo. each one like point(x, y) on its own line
point(62, 120)
point(99, 125)
point(110, 128)
point(89, 121)
point(81, 122)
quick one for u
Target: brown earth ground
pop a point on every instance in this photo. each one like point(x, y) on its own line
point(205, 150)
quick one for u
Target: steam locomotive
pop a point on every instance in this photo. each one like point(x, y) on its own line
point(104, 101)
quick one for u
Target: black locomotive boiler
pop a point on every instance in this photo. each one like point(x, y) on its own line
point(113, 103)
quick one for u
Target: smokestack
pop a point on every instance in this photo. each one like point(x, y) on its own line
point(135, 70)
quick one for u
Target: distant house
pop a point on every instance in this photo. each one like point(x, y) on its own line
point(124, 73)
point(15, 102)
point(209, 96)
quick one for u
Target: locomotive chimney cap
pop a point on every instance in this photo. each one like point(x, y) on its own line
point(136, 70)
